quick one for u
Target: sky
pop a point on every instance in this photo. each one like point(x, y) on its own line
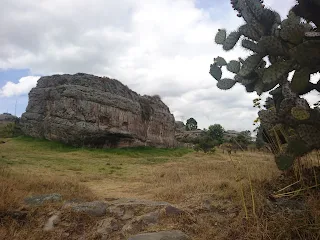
point(162, 47)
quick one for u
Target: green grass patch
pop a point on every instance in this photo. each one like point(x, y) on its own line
point(156, 160)
point(134, 152)
point(36, 143)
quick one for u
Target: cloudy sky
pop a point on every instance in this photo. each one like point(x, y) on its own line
point(160, 47)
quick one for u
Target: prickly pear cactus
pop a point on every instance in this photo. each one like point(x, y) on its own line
point(277, 48)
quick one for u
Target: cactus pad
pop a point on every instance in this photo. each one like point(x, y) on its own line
point(215, 72)
point(302, 103)
point(220, 61)
point(309, 134)
point(300, 113)
point(307, 53)
point(272, 45)
point(258, 87)
point(250, 64)
point(249, 32)
point(287, 92)
point(293, 34)
point(297, 147)
point(284, 161)
point(226, 83)
point(233, 66)
point(231, 40)
point(285, 106)
point(220, 36)
point(277, 71)
point(300, 80)
point(245, 81)
point(254, 47)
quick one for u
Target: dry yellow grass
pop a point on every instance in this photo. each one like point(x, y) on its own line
point(191, 180)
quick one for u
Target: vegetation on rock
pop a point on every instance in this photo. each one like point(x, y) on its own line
point(191, 124)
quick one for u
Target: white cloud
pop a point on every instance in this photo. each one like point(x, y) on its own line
point(154, 46)
point(24, 85)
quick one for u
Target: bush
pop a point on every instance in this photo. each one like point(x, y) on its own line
point(206, 145)
point(10, 130)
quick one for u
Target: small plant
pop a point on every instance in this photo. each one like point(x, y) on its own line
point(206, 145)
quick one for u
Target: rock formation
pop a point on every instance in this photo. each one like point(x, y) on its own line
point(86, 110)
point(188, 137)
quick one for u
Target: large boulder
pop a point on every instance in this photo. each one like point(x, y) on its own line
point(86, 110)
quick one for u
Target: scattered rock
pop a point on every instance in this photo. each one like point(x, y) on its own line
point(116, 211)
point(149, 218)
point(95, 208)
point(163, 235)
point(287, 205)
point(141, 222)
point(129, 214)
point(125, 208)
point(171, 211)
point(52, 221)
point(107, 226)
point(41, 199)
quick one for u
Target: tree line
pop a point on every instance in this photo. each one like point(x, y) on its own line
point(216, 135)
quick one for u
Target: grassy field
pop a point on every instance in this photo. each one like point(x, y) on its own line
point(240, 182)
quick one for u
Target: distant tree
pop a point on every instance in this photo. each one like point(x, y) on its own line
point(216, 132)
point(191, 124)
point(243, 139)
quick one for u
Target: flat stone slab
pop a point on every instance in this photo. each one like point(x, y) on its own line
point(95, 208)
point(163, 235)
point(126, 209)
point(41, 199)
point(129, 201)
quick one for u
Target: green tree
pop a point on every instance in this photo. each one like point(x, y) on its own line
point(215, 132)
point(243, 139)
point(191, 124)
point(206, 144)
point(278, 47)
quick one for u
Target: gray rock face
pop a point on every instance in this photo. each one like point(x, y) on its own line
point(86, 110)
point(95, 208)
point(125, 217)
point(164, 235)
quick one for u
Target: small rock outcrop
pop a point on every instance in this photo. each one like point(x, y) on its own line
point(42, 199)
point(95, 208)
point(86, 110)
point(8, 118)
point(184, 137)
point(163, 235)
